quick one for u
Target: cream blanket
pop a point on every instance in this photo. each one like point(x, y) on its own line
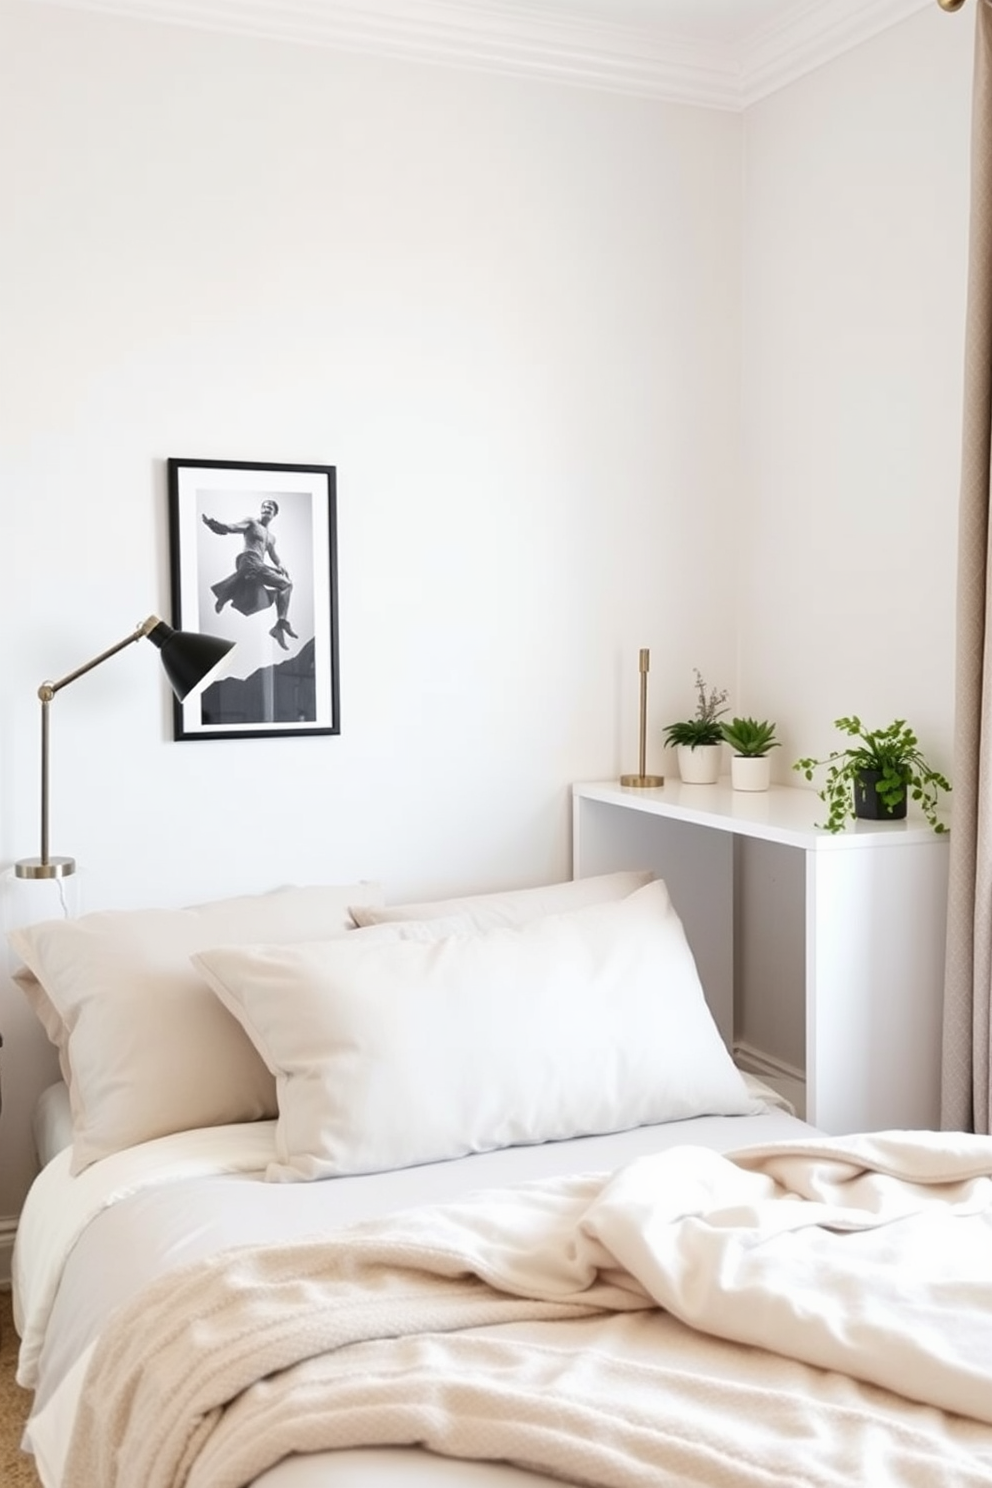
point(546, 1326)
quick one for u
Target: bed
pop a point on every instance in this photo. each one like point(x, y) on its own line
point(469, 1192)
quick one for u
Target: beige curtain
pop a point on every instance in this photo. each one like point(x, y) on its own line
point(966, 1092)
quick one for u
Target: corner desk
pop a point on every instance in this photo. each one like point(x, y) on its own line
point(863, 910)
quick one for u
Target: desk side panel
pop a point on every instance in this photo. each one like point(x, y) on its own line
point(875, 948)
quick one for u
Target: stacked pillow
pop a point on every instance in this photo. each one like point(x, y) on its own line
point(429, 1031)
point(512, 907)
point(392, 1053)
point(145, 1047)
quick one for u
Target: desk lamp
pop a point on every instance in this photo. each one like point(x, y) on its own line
point(191, 661)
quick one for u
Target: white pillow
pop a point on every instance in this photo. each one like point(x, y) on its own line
point(514, 906)
point(144, 1046)
point(391, 1054)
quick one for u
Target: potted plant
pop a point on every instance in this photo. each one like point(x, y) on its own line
point(751, 740)
point(875, 777)
point(699, 740)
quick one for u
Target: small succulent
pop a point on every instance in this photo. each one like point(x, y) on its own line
point(749, 737)
point(705, 726)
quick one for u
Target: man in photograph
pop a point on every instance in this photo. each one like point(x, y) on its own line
point(259, 578)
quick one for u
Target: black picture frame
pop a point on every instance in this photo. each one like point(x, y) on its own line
point(266, 580)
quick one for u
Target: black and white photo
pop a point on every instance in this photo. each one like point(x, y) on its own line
point(254, 559)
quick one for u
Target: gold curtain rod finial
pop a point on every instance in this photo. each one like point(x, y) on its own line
point(950, 5)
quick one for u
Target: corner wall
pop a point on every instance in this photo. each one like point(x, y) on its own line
point(855, 260)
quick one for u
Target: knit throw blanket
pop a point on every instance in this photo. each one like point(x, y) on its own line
point(782, 1316)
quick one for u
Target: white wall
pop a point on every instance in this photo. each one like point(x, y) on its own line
point(855, 259)
point(508, 312)
point(855, 255)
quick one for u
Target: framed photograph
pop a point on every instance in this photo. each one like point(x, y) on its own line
point(253, 552)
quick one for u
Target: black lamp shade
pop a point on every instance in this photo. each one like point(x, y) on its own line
point(190, 660)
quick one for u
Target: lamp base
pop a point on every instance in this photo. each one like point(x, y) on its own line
point(644, 782)
point(50, 868)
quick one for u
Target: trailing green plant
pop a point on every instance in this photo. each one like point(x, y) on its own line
point(750, 737)
point(705, 726)
point(894, 754)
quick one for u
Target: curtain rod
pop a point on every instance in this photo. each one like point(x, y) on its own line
point(950, 4)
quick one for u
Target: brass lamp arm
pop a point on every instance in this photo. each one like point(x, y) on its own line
point(47, 690)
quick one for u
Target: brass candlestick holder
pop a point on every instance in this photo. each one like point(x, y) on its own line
point(641, 779)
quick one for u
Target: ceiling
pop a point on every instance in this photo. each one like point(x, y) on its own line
point(718, 53)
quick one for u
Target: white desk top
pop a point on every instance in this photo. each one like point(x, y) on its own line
point(783, 813)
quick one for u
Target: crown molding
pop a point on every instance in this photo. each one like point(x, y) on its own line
point(509, 39)
point(823, 31)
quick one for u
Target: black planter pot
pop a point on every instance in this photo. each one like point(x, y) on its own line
point(867, 804)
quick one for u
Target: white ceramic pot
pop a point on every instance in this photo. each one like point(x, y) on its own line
point(749, 772)
point(700, 766)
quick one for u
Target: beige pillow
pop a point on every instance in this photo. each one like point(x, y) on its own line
point(389, 1054)
point(515, 906)
point(144, 1045)
point(47, 1014)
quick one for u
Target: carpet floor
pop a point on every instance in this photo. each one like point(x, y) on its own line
point(16, 1467)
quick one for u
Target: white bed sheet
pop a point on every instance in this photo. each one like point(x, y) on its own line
point(85, 1244)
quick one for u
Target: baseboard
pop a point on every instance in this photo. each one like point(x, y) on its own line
point(8, 1229)
point(786, 1078)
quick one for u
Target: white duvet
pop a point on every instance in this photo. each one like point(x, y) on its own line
point(869, 1256)
point(811, 1312)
